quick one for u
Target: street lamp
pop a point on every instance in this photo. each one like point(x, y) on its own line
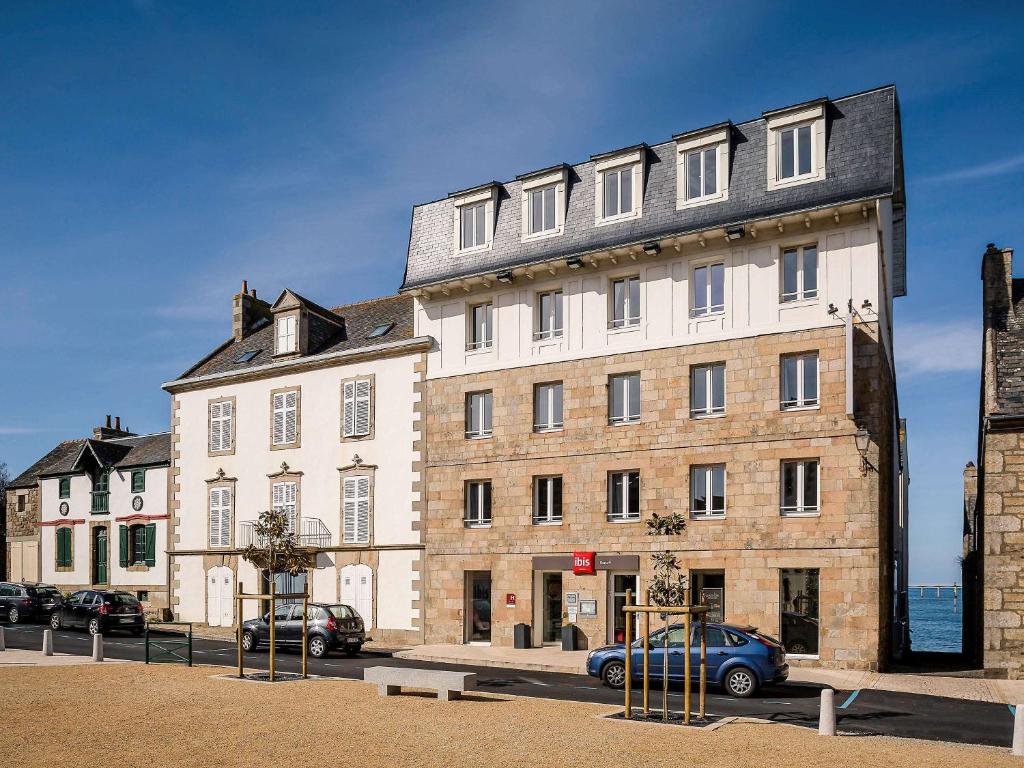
point(863, 439)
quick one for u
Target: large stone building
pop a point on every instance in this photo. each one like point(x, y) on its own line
point(993, 565)
point(702, 327)
point(314, 412)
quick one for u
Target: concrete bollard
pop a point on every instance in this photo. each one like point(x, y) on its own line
point(1018, 730)
point(47, 642)
point(827, 716)
point(3, 645)
point(97, 647)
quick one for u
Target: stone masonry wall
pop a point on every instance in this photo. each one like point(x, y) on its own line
point(846, 541)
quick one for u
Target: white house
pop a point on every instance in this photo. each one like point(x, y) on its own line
point(315, 412)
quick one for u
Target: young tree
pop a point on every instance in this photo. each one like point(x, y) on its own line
point(668, 587)
point(276, 549)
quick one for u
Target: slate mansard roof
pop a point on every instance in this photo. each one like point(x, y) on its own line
point(359, 320)
point(118, 453)
point(1009, 353)
point(863, 162)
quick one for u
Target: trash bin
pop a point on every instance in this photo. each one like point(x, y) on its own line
point(521, 637)
point(570, 637)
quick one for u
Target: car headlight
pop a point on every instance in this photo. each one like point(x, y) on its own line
point(590, 656)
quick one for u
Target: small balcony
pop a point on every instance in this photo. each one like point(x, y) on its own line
point(312, 533)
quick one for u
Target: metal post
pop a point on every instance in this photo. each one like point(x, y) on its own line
point(238, 632)
point(629, 654)
point(305, 630)
point(3, 647)
point(664, 675)
point(647, 655)
point(146, 635)
point(190, 644)
point(273, 631)
point(686, 671)
point(703, 661)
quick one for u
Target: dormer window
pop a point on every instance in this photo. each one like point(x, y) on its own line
point(287, 334)
point(796, 145)
point(702, 167)
point(543, 203)
point(474, 218)
point(618, 186)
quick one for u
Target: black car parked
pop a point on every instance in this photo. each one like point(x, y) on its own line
point(100, 611)
point(21, 601)
point(329, 628)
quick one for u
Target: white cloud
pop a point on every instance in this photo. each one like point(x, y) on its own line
point(983, 171)
point(945, 347)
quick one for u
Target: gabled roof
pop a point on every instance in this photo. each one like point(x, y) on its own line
point(119, 453)
point(864, 162)
point(64, 454)
point(359, 320)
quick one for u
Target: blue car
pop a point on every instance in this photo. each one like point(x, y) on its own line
point(740, 659)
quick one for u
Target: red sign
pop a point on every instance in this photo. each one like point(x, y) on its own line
point(583, 563)
point(510, 600)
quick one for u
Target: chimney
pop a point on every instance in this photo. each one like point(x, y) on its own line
point(997, 286)
point(107, 431)
point(246, 310)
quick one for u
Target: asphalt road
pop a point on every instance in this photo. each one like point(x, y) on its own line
point(869, 712)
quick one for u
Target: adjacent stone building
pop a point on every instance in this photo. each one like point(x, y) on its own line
point(993, 564)
point(700, 327)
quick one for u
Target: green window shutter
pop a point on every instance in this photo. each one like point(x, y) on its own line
point(62, 547)
point(151, 544)
point(124, 545)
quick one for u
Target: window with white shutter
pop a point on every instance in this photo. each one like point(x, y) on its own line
point(221, 417)
point(284, 501)
point(220, 517)
point(356, 513)
point(286, 417)
point(357, 408)
point(286, 336)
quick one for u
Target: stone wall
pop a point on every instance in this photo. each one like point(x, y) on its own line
point(846, 541)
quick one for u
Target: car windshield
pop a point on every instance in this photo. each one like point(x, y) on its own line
point(43, 592)
point(341, 611)
point(120, 598)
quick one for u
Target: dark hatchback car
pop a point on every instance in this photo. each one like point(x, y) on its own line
point(740, 659)
point(328, 628)
point(27, 602)
point(100, 611)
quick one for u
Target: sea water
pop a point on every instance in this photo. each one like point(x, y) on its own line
point(935, 619)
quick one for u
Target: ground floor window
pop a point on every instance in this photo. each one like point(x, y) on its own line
point(708, 588)
point(619, 583)
point(800, 611)
point(478, 606)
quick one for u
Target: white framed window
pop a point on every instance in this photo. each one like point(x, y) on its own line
point(702, 167)
point(356, 511)
point(547, 500)
point(800, 487)
point(796, 145)
point(286, 417)
point(549, 315)
point(478, 504)
point(221, 417)
point(543, 203)
point(357, 408)
point(623, 496)
point(625, 302)
point(479, 409)
point(474, 219)
point(624, 398)
point(707, 390)
point(799, 385)
point(283, 499)
point(481, 326)
point(707, 490)
point(799, 273)
point(547, 407)
point(220, 517)
point(708, 290)
point(618, 186)
point(287, 335)
point(542, 210)
point(701, 173)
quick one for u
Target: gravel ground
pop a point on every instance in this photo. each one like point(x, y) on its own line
point(133, 715)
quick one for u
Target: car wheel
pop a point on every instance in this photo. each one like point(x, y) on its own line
point(740, 682)
point(94, 626)
point(352, 650)
point(55, 620)
point(797, 646)
point(317, 647)
point(249, 641)
point(613, 674)
point(14, 616)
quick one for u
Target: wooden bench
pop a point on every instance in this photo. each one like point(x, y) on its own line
point(449, 685)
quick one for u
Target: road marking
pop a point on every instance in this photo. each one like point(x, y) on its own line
point(849, 701)
point(531, 681)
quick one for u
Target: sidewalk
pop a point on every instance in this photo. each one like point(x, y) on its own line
point(552, 659)
point(13, 657)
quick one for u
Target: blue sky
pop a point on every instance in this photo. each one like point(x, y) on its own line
point(152, 155)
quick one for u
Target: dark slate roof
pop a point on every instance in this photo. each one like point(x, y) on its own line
point(1009, 353)
point(863, 161)
point(64, 454)
point(143, 450)
point(360, 319)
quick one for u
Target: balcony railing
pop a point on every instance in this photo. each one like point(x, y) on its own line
point(312, 533)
